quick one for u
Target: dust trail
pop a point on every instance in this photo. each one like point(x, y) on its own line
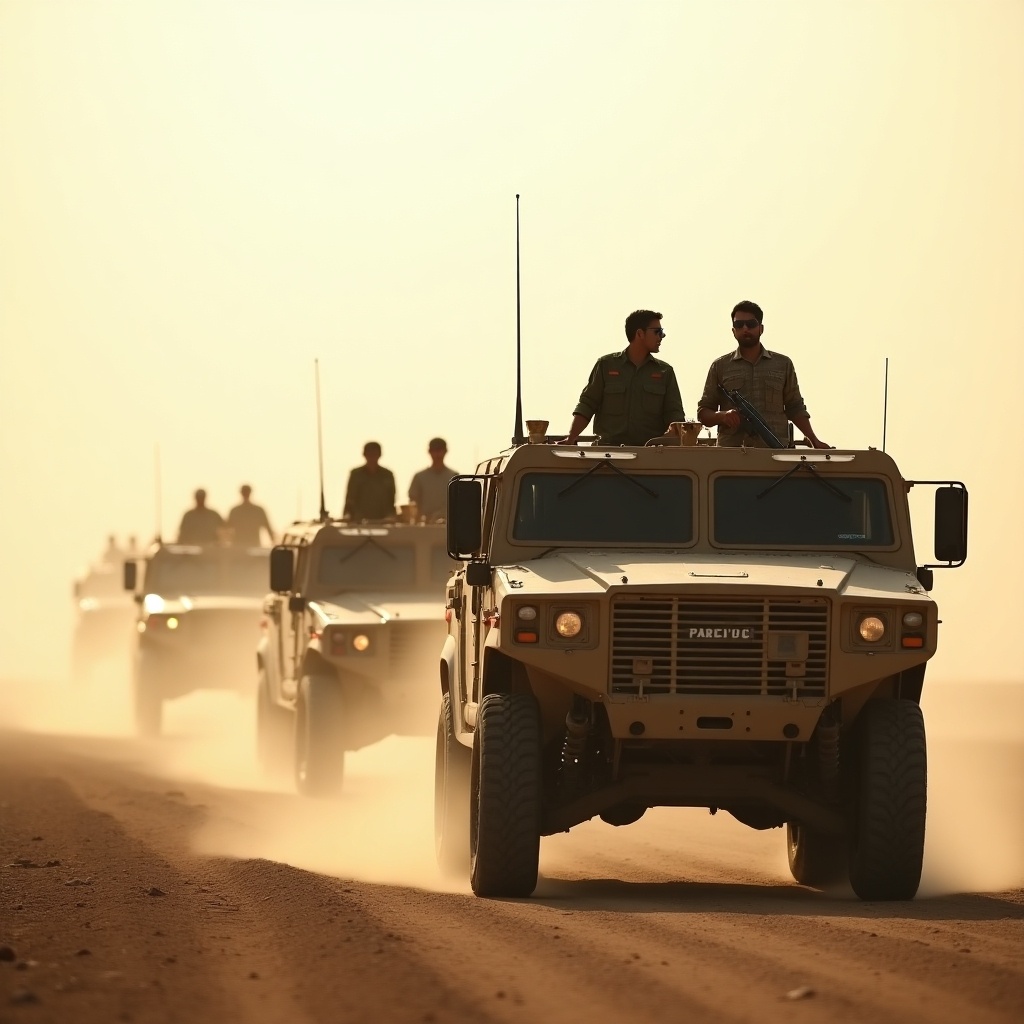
point(975, 837)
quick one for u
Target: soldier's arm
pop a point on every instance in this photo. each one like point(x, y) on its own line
point(707, 408)
point(415, 491)
point(590, 401)
point(351, 495)
point(796, 409)
point(673, 402)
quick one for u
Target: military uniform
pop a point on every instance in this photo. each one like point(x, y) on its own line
point(769, 384)
point(246, 521)
point(370, 495)
point(200, 526)
point(630, 404)
point(429, 490)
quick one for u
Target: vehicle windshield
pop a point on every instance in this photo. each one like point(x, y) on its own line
point(801, 511)
point(368, 565)
point(101, 583)
point(604, 507)
point(209, 574)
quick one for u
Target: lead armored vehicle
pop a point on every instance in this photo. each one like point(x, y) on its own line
point(742, 629)
point(348, 655)
point(198, 623)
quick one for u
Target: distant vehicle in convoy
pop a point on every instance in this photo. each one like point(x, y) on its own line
point(197, 623)
point(104, 616)
point(743, 629)
point(348, 656)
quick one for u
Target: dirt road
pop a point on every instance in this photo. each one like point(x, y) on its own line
point(164, 883)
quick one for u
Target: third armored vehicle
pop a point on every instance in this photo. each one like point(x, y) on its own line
point(352, 633)
point(743, 629)
point(199, 610)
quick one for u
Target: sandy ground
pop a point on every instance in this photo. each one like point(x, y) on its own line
point(167, 882)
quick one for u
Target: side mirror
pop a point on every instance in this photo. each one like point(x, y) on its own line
point(130, 575)
point(951, 525)
point(465, 517)
point(282, 569)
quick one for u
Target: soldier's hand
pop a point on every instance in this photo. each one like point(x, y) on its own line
point(817, 443)
point(729, 418)
point(567, 440)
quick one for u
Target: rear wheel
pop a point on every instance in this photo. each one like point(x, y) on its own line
point(815, 858)
point(273, 733)
point(319, 749)
point(452, 763)
point(505, 799)
point(891, 801)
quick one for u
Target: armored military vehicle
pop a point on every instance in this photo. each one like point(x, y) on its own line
point(348, 655)
point(743, 629)
point(198, 623)
point(104, 617)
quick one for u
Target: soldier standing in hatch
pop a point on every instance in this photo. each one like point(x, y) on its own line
point(766, 379)
point(247, 519)
point(631, 395)
point(200, 525)
point(371, 488)
point(429, 487)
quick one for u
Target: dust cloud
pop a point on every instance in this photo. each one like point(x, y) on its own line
point(381, 831)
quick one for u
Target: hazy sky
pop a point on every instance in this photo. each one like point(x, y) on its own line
point(197, 199)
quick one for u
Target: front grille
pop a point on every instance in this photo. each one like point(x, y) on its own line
point(415, 645)
point(720, 645)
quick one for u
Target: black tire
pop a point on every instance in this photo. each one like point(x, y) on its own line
point(452, 764)
point(887, 847)
point(319, 746)
point(274, 733)
point(815, 859)
point(147, 700)
point(505, 798)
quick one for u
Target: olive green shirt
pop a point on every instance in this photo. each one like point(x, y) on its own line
point(769, 384)
point(370, 495)
point(630, 404)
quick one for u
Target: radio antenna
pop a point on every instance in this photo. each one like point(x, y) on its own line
point(320, 441)
point(518, 436)
point(885, 402)
point(159, 495)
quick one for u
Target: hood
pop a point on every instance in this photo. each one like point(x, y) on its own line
point(594, 572)
point(377, 608)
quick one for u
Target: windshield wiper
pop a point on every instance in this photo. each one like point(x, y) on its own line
point(817, 476)
point(607, 465)
point(359, 547)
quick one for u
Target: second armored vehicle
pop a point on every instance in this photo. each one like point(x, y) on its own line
point(199, 611)
point(352, 632)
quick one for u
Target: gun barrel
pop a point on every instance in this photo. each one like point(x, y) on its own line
point(755, 421)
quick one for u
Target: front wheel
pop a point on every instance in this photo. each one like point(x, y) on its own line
point(887, 850)
point(452, 763)
point(319, 748)
point(505, 799)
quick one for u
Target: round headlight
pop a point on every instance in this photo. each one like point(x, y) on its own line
point(360, 642)
point(913, 620)
point(172, 623)
point(568, 624)
point(527, 612)
point(871, 628)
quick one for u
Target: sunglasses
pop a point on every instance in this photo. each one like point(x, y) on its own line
point(658, 331)
point(737, 324)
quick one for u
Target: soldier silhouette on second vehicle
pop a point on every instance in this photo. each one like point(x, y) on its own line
point(200, 525)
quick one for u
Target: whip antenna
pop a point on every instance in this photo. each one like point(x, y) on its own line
point(885, 401)
point(518, 436)
point(159, 495)
point(320, 441)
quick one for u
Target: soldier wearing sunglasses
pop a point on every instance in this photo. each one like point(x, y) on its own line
point(631, 395)
point(766, 379)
